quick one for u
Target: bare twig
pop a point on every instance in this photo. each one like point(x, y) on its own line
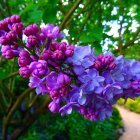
point(86, 8)
point(11, 111)
point(120, 45)
point(11, 75)
point(29, 120)
point(131, 42)
point(69, 13)
point(87, 18)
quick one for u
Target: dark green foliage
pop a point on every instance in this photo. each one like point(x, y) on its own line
point(55, 127)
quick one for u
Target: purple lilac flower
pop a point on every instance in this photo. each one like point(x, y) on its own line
point(61, 51)
point(72, 76)
point(8, 52)
point(24, 58)
point(39, 84)
point(67, 109)
point(104, 62)
point(57, 84)
point(15, 19)
point(135, 85)
point(77, 59)
point(135, 69)
point(54, 106)
point(112, 92)
point(31, 30)
point(32, 42)
point(39, 68)
point(82, 61)
point(25, 72)
point(91, 81)
point(51, 31)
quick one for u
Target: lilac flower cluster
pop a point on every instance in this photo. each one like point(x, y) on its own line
point(72, 76)
point(10, 32)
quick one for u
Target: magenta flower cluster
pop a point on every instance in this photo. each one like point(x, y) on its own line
point(72, 76)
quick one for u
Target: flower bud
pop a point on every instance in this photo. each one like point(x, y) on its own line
point(54, 93)
point(41, 38)
point(4, 25)
point(23, 61)
point(25, 72)
point(63, 79)
point(54, 107)
point(17, 28)
point(62, 46)
point(112, 66)
point(97, 65)
point(4, 41)
point(24, 53)
point(32, 42)
point(15, 19)
point(63, 91)
point(31, 30)
point(8, 53)
point(8, 20)
point(83, 110)
point(58, 55)
point(39, 68)
point(69, 52)
point(46, 55)
point(54, 46)
point(11, 38)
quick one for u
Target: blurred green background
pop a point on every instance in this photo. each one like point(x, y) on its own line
point(106, 25)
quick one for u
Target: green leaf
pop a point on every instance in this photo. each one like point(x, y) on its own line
point(49, 14)
point(35, 15)
point(3, 74)
point(92, 35)
point(97, 48)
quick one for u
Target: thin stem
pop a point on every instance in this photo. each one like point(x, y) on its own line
point(69, 14)
point(11, 75)
point(17, 103)
point(120, 45)
point(82, 11)
point(48, 43)
point(33, 101)
point(85, 22)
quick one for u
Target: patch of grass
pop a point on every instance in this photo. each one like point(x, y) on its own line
point(133, 105)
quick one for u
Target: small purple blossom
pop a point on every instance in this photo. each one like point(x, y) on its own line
point(39, 84)
point(25, 72)
point(32, 42)
point(54, 106)
point(24, 58)
point(39, 68)
point(51, 31)
point(8, 52)
point(15, 19)
point(31, 30)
